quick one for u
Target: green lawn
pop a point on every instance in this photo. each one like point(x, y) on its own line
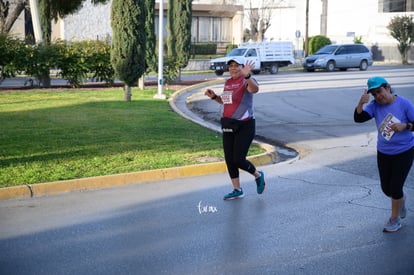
point(57, 135)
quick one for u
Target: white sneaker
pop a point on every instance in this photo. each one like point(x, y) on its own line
point(392, 225)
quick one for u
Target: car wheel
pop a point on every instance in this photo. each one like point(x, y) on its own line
point(364, 65)
point(219, 72)
point(330, 67)
point(274, 69)
point(310, 70)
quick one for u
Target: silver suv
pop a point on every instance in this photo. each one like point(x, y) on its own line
point(340, 56)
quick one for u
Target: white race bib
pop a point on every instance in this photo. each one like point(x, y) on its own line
point(227, 98)
point(385, 128)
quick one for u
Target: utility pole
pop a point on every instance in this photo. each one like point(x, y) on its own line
point(306, 29)
point(324, 18)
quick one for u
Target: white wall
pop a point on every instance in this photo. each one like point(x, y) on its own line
point(90, 22)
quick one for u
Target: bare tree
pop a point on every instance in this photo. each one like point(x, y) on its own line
point(260, 16)
point(10, 10)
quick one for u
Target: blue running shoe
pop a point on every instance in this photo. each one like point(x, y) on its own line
point(392, 225)
point(236, 194)
point(403, 211)
point(260, 182)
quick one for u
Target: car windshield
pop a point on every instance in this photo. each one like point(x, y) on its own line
point(326, 50)
point(237, 52)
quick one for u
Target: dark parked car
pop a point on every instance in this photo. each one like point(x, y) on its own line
point(340, 56)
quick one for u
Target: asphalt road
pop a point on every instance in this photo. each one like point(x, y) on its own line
point(320, 214)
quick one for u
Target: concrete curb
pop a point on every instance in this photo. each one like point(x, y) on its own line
point(99, 182)
point(57, 187)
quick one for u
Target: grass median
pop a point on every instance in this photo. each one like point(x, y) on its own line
point(67, 134)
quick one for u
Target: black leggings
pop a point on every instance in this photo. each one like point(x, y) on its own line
point(393, 171)
point(236, 146)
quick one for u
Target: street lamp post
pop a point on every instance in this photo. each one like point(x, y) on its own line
point(160, 93)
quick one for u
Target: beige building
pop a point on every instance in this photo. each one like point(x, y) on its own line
point(210, 23)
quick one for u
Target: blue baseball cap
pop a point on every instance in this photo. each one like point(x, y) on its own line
point(376, 82)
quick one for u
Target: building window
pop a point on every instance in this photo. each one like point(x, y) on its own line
point(396, 5)
point(156, 24)
point(204, 33)
point(216, 29)
point(211, 29)
point(226, 30)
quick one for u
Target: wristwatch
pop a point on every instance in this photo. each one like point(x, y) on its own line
point(248, 76)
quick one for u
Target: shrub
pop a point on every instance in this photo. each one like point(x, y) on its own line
point(317, 42)
point(97, 60)
point(87, 59)
point(74, 62)
point(12, 52)
point(204, 48)
point(230, 47)
point(39, 59)
point(358, 40)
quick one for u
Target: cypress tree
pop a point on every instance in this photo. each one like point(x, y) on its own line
point(128, 42)
point(171, 30)
point(179, 34)
point(46, 26)
point(151, 57)
point(45, 20)
point(182, 31)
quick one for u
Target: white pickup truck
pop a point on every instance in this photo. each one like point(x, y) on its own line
point(267, 56)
